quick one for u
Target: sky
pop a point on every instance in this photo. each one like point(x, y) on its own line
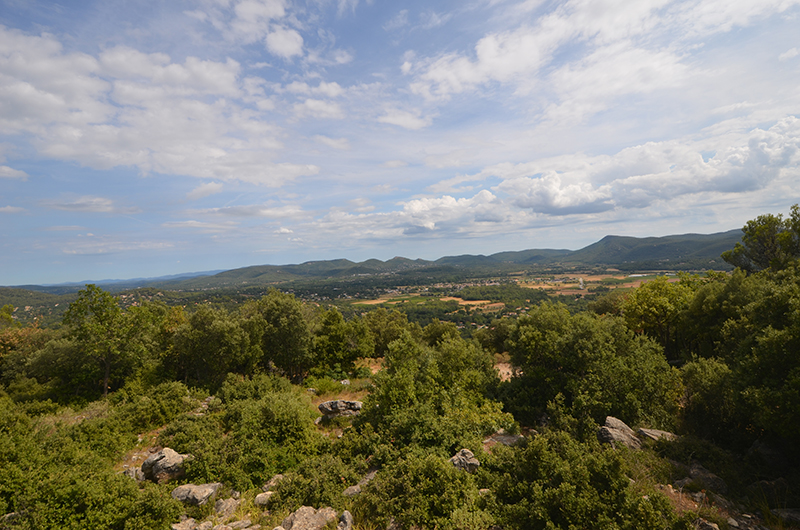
point(141, 138)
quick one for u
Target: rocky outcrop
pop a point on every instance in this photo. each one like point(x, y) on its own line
point(225, 508)
point(655, 434)
point(615, 432)
point(352, 491)
point(465, 460)
point(195, 494)
point(272, 483)
point(707, 479)
point(164, 466)
point(339, 407)
point(262, 499)
point(308, 518)
point(503, 438)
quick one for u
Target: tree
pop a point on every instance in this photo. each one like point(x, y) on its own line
point(285, 338)
point(769, 243)
point(340, 343)
point(96, 324)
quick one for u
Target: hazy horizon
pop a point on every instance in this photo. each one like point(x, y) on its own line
point(144, 139)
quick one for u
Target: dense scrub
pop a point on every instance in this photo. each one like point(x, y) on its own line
point(713, 358)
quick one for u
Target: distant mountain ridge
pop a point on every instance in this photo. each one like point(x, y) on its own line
point(676, 252)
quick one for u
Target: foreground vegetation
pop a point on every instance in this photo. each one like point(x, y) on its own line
point(713, 358)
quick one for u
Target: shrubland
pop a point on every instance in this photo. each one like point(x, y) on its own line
point(713, 358)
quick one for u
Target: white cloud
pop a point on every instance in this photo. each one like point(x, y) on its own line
point(318, 109)
point(255, 210)
point(203, 227)
point(393, 164)
point(129, 108)
point(110, 245)
point(283, 230)
point(92, 204)
point(789, 54)
point(405, 119)
point(11, 173)
point(284, 42)
point(204, 190)
point(397, 21)
point(336, 143)
point(11, 209)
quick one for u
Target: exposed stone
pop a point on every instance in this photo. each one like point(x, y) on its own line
point(186, 524)
point(164, 466)
point(238, 525)
point(307, 518)
point(788, 515)
point(340, 407)
point(345, 521)
point(465, 460)
point(135, 473)
point(225, 508)
point(702, 524)
point(352, 491)
point(207, 525)
point(655, 434)
point(222, 527)
point(616, 432)
point(262, 499)
point(707, 479)
point(502, 437)
point(774, 492)
point(272, 483)
point(195, 494)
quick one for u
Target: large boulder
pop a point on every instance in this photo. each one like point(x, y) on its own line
point(465, 460)
point(164, 466)
point(345, 521)
point(308, 518)
point(340, 407)
point(195, 494)
point(225, 508)
point(615, 432)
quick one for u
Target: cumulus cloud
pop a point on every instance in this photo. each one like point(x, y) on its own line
point(317, 108)
point(128, 108)
point(204, 190)
point(405, 119)
point(284, 42)
point(11, 173)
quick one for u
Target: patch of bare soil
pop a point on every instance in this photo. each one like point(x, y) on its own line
point(505, 369)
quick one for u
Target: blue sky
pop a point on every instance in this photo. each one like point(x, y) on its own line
point(144, 138)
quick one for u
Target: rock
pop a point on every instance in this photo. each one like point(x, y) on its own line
point(225, 508)
point(502, 437)
point(238, 525)
point(483, 492)
point(272, 483)
point(352, 491)
point(135, 473)
point(774, 492)
point(222, 527)
point(465, 461)
point(195, 494)
point(208, 525)
point(702, 524)
point(788, 515)
point(307, 518)
point(655, 434)
point(616, 432)
point(707, 479)
point(340, 407)
point(768, 454)
point(345, 382)
point(733, 522)
point(186, 524)
point(164, 466)
point(262, 499)
point(345, 521)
